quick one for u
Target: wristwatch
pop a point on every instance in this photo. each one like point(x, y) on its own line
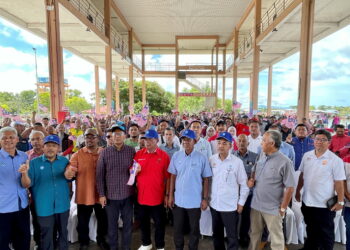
point(282, 209)
point(205, 198)
point(341, 203)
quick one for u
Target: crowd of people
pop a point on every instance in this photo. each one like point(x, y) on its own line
point(246, 170)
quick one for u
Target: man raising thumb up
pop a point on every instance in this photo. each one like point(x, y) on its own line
point(70, 172)
point(24, 168)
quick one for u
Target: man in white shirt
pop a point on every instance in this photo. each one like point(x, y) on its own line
point(162, 125)
point(229, 192)
point(254, 138)
point(322, 174)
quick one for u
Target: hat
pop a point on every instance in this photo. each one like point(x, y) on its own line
point(225, 135)
point(220, 122)
point(52, 138)
point(151, 134)
point(90, 131)
point(117, 126)
point(189, 134)
point(245, 117)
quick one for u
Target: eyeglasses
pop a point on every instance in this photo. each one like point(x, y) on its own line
point(118, 133)
point(90, 137)
point(321, 140)
point(108, 136)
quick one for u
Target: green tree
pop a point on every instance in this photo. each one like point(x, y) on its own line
point(73, 92)
point(26, 101)
point(44, 99)
point(77, 104)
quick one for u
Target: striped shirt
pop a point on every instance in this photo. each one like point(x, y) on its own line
point(112, 172)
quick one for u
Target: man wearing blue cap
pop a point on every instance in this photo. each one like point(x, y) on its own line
point(45, 176)
point(190, 179)
point(229, 192)
point(151, 182)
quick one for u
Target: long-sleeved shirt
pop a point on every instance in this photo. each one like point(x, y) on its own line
point(338, 142)
point(112, 173)
point(228, 184)
point(13, 197)
point(301, 146)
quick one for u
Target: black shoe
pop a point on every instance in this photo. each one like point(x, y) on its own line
point(103, 245)
point(84, 247)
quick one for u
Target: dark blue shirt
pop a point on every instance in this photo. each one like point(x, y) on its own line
point(301, 146)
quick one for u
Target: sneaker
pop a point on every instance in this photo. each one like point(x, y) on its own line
point(149, 247)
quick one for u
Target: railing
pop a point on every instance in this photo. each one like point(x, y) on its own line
point(91, 12)
point(203, 86)
point(273, 12)
point(229, 61)
point(246, 44)
point(120, 45)
point(160, 67)
point(137, 61)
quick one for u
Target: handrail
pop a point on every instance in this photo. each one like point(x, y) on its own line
point(272, 13)
point(137, 61)
point(246, 43)
point(229, 61)
point(120, 45)
point(160, 67)
point(91, 13)
point(203, 86)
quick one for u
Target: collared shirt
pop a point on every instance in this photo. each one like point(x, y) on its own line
point(161, 140)
point(254, 143)
point(152, 177)
point(112, 173)
point(273, 173)
point(319, 176)
point(85, 162)
point(338, 142)
point(228, 184)
point(189, 170)
point(49, 186)
point(32, 154)
point(301, 146)
point(285, 149)
point(131, 143)
point(248, 159)
point(242, 129)
point(169, 150)
point(202, 146)
point(13, 196)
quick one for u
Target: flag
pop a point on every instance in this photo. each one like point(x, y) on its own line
point(4, 113)
point(139, 119)
point(43, 108)
point(236, 105)
point(145, 110)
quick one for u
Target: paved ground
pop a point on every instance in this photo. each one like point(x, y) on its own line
point(204, 244)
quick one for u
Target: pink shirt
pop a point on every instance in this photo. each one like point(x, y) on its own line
point(32, 154)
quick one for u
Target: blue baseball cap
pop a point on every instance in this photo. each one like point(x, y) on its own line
point(189, 134)
point(118, 126)
point(52, 138)
point(225, 135)
point(151, 134)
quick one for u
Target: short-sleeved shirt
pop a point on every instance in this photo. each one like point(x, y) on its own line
point(85, 162)
point(112, 173)
point(319, 176)
point(152, 178)
point(170, 151)
point(32, 154)
point(228, 184)
point(254, 143)
point(13, 197)
point(273, 173)
point(131, 143)
point(49, 186)
point(190, 171)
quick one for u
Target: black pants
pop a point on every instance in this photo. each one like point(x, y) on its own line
point(114, 208)
point(15, 228)
point(157, 213)
point(84, 214)
point(227, 220)
point(245, 220)
point(194, 215)
point(319, 228)
point(47, 226)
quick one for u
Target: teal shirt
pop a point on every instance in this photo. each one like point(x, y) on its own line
point(49, 187)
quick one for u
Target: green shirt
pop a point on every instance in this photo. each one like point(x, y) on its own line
point(131, 143)
point(49, 186)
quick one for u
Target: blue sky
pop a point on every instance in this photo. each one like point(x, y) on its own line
point(330, 70)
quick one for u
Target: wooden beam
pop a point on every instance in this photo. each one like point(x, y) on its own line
point(176, 75)
point(235, 68)
point(223, 91)
point(158, 45)
point(55, 57)
point(281, 17)
point(108, 68)
point(131, 89)
point(306, 37)
point(84, 20)
point(216, 74)
point(107, 18)
point(97, 90)
point(269, 91)
point(120, 15)
point(143, 59)
point(256, 59)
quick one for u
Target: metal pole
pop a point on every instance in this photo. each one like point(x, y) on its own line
point(37, 80)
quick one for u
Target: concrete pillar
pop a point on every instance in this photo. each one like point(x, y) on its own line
point(108, 63)
point(117, 94)
point(269, 91)
point(235, 69)
point(256, 58)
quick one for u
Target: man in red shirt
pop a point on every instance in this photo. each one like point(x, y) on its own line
point(151, 182)
point(220, 127)
point(242, 127)
point(339, 140)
